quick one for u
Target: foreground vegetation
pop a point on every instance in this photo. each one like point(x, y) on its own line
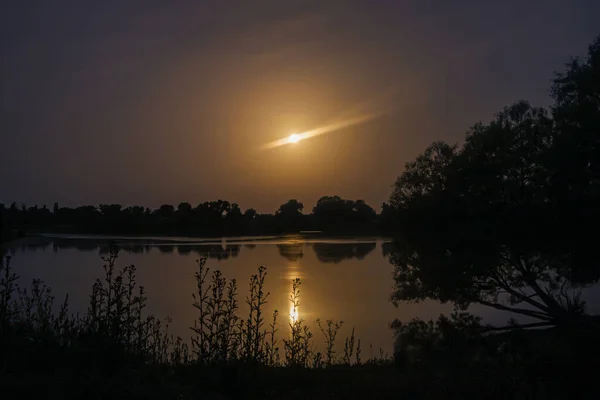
point(115, 350)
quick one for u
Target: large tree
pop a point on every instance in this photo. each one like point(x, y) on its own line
point(575, 182)
point(505, 220)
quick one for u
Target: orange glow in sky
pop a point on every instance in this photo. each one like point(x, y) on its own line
point(296, 137)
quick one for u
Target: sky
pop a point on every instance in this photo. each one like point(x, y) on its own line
point(153, 102)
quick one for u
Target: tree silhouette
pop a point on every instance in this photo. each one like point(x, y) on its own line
point(293, 208)
point(184, 209)
point(575, 183)
point(499, 220)
point(165, 211)
point(250, 214)
point(332, 213)
point(289, 216)
point(210, 218)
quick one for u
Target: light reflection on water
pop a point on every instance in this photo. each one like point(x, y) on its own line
point(347, 280)
point(343, 280)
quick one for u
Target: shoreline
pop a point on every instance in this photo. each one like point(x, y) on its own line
point(157, 240)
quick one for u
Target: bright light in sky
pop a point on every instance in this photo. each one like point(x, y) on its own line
point(296, 137)
point(293, 138)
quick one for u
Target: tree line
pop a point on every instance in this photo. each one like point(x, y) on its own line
point(331, 214)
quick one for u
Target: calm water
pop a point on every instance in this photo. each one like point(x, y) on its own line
point(348, 280)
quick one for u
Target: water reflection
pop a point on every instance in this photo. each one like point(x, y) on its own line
point(67, 244)
point(166, 248)
point(335, 253)
point(294, 313)
point(212, 251)
point(334, 284)
point(291, 251)
point(217, 252)
point(37, 246)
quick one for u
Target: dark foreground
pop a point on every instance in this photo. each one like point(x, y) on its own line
point(32, 370)
point(117, 352)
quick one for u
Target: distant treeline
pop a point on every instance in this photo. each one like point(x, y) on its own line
point(331, 214)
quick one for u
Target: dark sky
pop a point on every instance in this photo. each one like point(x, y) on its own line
point(151, 102)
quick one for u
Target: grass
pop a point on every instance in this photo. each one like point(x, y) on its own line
point(115, 350)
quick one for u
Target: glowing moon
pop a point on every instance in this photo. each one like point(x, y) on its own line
point(293, 138)
point(296, 137)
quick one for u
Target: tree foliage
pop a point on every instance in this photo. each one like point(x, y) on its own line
point(506, 219)
point(333, 213)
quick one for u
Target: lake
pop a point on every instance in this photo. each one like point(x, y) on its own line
point(342, 279)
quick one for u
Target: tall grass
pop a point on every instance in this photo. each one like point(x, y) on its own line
point(221, 336)
point(116, 322)
point(116, 314)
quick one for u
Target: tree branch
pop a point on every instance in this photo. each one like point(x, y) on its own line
point(528, 299)
point(512, 327)
point(522, 311)
point(544, 296)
